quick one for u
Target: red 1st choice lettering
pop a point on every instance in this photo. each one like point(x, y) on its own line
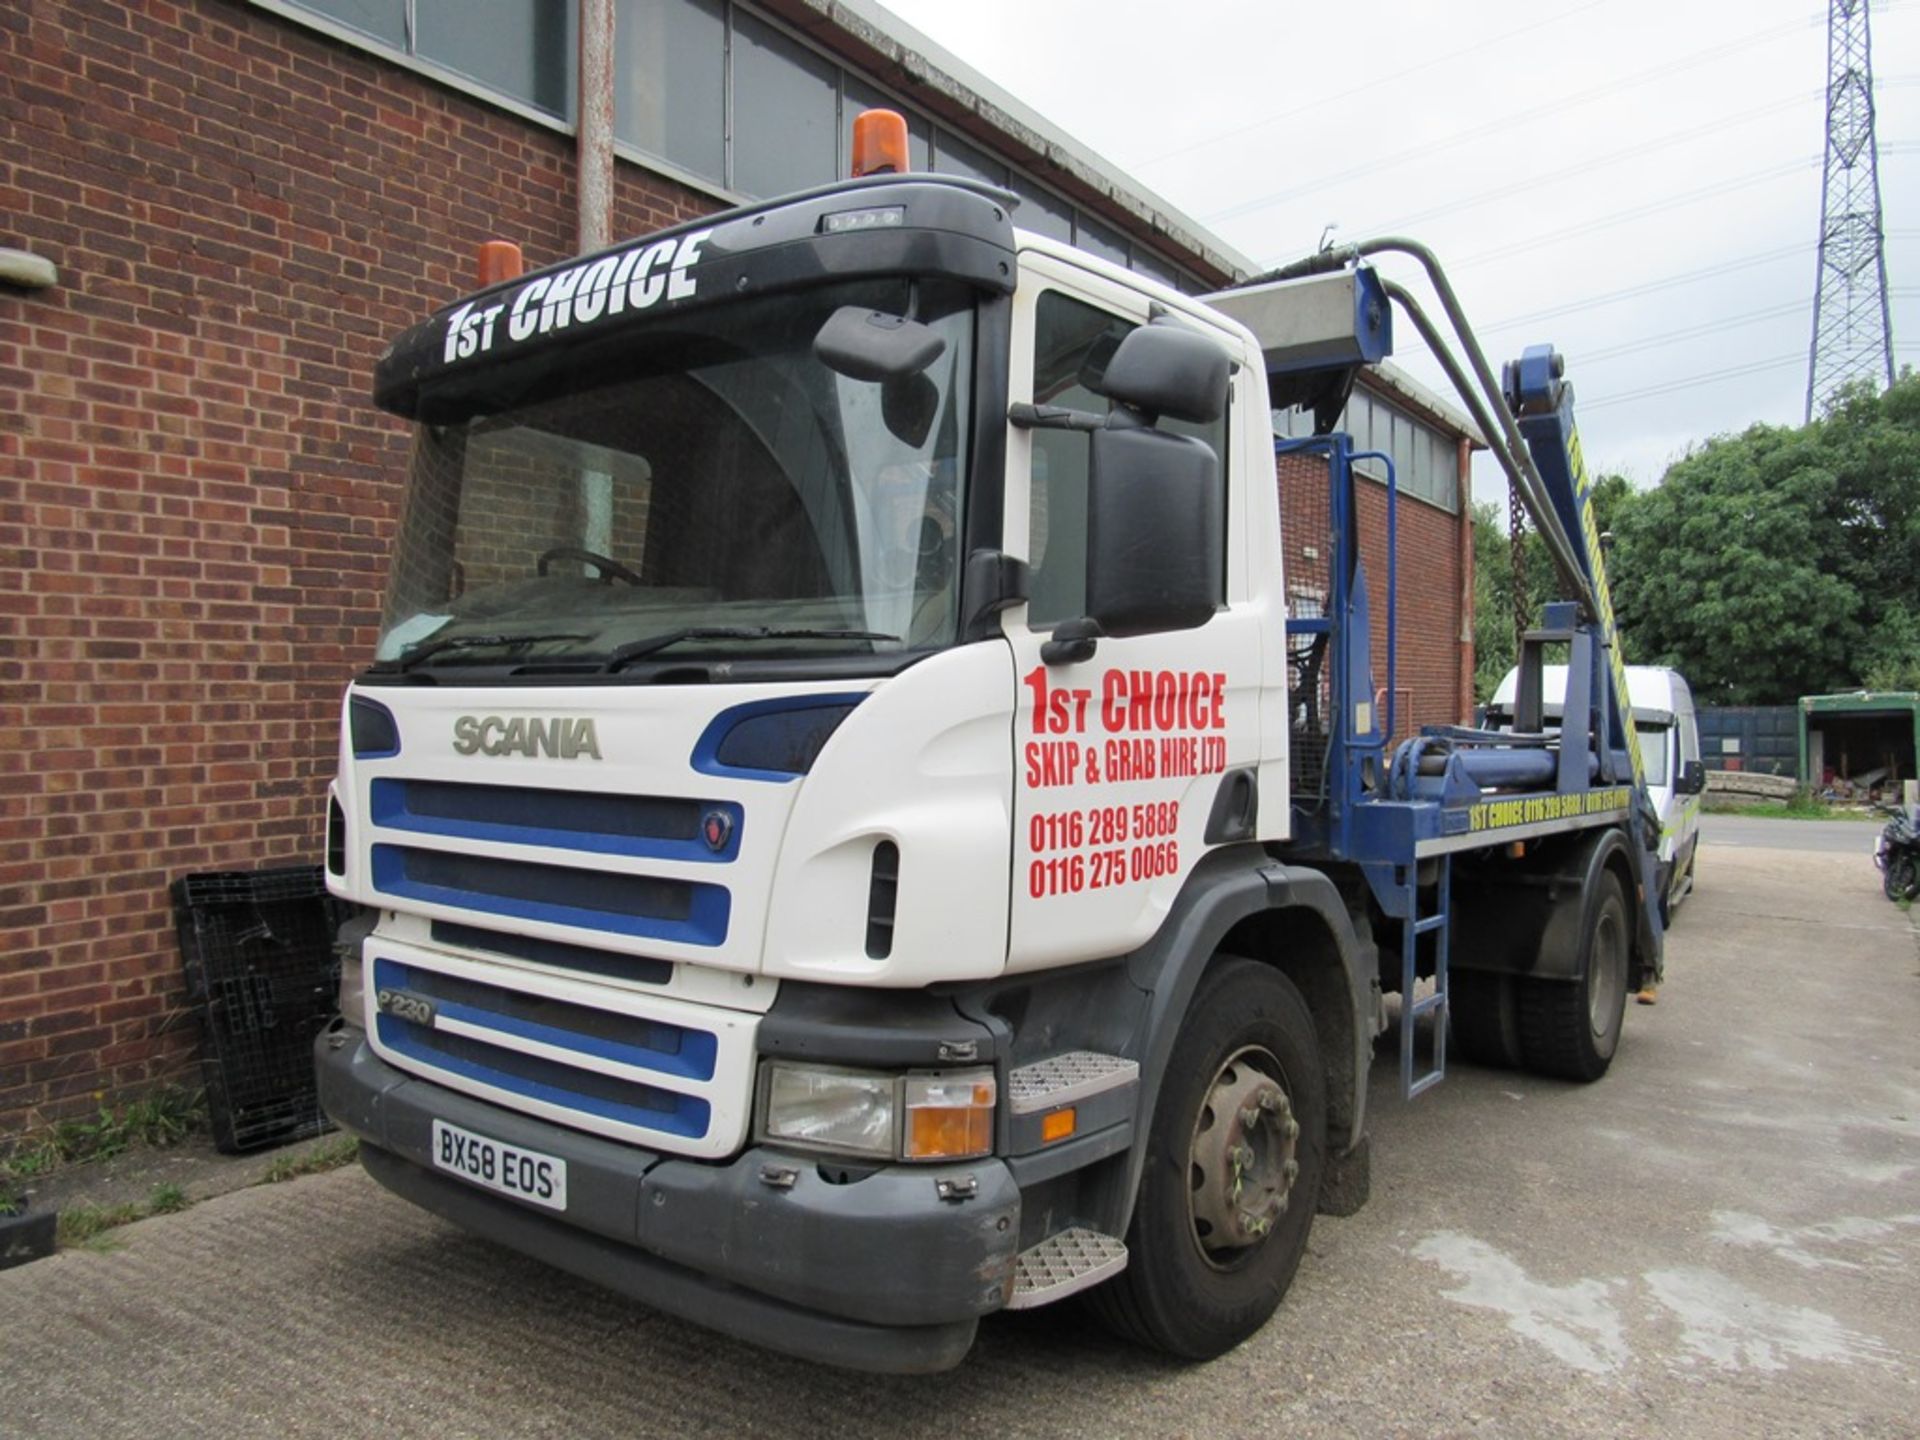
point(1130, 701)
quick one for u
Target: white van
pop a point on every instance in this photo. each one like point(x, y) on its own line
point(1669, 754)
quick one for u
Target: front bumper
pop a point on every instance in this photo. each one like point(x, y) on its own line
point(878, 1273)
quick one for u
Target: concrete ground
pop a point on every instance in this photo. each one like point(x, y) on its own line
point(1722, 1237)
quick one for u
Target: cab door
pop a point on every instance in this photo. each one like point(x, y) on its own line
point(1118, 758)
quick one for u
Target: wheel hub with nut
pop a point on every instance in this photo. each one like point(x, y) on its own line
point(1243, 1161)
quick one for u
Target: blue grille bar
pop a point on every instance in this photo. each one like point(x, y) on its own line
point(649, 1109)
point(694, 913)
point(600, 1034)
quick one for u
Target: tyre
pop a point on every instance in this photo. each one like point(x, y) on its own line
point(1572, 1029)
point(1485, 1016)
point(1901, 879)
point(1234, 1158)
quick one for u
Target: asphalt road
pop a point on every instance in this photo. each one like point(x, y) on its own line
point(1833, 837)
point(1720, 1238)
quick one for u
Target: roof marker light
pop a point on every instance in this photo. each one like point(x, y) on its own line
point(500, 260)
point(879, 143)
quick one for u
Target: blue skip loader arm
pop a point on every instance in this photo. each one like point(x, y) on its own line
point(1541, 399)
point(1449, 790)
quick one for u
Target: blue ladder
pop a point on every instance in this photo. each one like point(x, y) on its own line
point(1412, 927)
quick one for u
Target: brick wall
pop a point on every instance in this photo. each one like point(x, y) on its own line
point(196, 500)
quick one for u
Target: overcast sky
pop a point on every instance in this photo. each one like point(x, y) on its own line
point(1647, 170)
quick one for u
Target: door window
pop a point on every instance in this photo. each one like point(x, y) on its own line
point(1073, 341)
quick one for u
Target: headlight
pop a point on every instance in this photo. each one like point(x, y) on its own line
point(845, 1110)
point(946, 1115)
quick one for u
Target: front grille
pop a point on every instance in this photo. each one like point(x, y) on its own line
point(654, 907)
point(650, 826)
point(598, 1063)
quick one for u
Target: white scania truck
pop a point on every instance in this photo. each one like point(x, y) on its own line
point(851, 837)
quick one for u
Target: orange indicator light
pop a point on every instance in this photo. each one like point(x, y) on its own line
point(949, 1117)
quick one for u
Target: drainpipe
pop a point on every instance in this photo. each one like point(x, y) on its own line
point(595, 130)
point(594, 136)
point(1465, 468)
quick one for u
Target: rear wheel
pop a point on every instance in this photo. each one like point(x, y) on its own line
point(1232, 1173)
point(1486, 1018)
point(1572, 1029)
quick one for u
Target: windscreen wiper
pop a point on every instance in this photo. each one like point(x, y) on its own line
point(413, 657)
point(638, 649)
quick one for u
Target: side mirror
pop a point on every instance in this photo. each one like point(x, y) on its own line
point(1155, 530)
point(864, 344)
point(1163, 369)
point(909, 404)
point(1693, 778)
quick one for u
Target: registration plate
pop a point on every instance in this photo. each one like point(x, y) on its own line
point(523, 1174)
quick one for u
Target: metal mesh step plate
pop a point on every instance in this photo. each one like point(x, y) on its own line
point(1062, 1079)
point(1061, 1264)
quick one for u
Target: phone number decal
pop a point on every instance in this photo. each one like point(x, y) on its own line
point(1131, 843)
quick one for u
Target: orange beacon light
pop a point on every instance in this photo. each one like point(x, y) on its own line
point(879, 143)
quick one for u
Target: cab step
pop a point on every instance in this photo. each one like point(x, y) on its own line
point(1065, 1263)
point(1065, 1079)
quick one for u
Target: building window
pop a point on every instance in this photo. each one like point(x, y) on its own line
point(669, 76)
point(953, 156)
point(525, 50)
point(1153, 268)
point(1425, 460)
point(383, 20)
point(786, 112)
point(1097, 239)
point(716, 91)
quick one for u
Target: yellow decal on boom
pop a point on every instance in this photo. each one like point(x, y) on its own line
point(1596, 565)
point(1536, 809)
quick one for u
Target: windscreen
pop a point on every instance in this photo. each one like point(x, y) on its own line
point(1655, 742)
point(710, 488)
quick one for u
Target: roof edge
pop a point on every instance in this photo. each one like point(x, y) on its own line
point(867, 33)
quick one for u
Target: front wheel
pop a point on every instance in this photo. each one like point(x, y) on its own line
point(1901, 878)
point(1232, 1173)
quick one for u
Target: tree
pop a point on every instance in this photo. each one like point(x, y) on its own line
point(1782, 562)
point(1493, 628)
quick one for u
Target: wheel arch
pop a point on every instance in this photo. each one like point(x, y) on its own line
point(1243, 902)
point(1611, 853)
point(1528, 918)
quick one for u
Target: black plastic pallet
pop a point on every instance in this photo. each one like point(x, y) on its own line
point(260, 964)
